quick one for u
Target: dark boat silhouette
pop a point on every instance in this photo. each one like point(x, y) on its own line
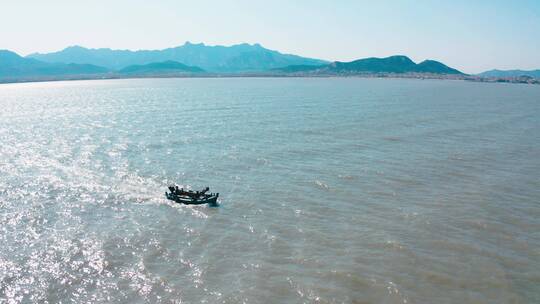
point(190, 197)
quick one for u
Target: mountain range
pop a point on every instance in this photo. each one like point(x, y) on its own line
point(236, 58)
point(13, 67)
point(510, 73)
point(190, 59)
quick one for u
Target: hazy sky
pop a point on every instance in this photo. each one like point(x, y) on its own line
point(471, 35)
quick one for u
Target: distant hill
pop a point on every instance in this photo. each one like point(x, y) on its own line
point(160, 68)
point(392, 64)
point(236, 58)
point(510, 73)
point(13, 66)
point(436, 67)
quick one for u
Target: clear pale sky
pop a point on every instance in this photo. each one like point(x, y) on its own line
point(471, 35)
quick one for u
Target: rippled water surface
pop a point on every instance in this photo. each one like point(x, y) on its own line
point(333, 191)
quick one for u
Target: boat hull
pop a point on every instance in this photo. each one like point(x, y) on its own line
point(186, 200)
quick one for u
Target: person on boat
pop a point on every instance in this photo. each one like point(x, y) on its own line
point(171, 188)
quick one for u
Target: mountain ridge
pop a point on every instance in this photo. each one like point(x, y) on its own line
point(235, 58)
point(13, 66)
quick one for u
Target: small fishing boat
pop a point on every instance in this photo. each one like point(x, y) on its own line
point(190, 197)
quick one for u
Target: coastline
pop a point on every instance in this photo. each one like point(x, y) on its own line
point(275, 75)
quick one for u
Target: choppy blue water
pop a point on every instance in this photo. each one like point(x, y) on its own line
point(333, 191)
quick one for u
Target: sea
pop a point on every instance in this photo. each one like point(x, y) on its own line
point(332, 190)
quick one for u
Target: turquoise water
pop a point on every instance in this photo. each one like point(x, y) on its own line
point(332, 191)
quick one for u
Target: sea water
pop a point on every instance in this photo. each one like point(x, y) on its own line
point(333, 190)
